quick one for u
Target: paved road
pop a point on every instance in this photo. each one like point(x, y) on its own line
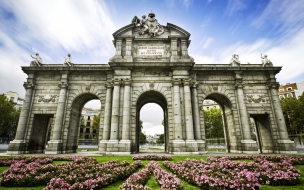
point(3, 149)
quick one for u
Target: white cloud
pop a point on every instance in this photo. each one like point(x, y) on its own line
point(286, 16)
point(69, 26)
point(288, 53)
point(234, 6)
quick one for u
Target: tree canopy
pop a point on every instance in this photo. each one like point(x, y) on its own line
point(96, 124)
point(293, 110)
point(214, 123)
point(161, 139)
point(9, 116)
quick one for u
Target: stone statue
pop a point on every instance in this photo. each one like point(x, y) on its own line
point(265, 61)
point(68, 60)
point(36, 60)
point(148, 25)
point(235, 60)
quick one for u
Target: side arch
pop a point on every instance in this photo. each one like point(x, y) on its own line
point(232, 129)
point(74, 110)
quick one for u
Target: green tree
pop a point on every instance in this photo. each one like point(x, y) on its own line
point(214, 123)
point(161, 139)
point(294, 115)
point(96, 124)
point(142, 136)
point(9, 117)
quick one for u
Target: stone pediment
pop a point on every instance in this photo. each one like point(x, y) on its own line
point(145, 40)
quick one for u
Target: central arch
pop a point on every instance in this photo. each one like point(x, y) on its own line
point(152, 97)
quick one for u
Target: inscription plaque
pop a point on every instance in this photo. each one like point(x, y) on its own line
point(150, 50)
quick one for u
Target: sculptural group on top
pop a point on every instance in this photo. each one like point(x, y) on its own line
point(148, 25)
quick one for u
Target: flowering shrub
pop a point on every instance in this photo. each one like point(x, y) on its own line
point(155, 157)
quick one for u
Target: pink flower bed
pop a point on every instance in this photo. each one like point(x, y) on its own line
point(165, 179)
point(216, 173)
point(138, 180)
point(80, 173)
point(224, 173)
point(155, 157)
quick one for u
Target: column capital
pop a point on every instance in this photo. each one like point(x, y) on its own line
point(239, 83)
point(28, 85)
point(109, 85)
point(176, 82)
point(273, 85)
point(63, 85)
point(127, 81)
point(186, 82)
point(116, 82)
point(194, 84)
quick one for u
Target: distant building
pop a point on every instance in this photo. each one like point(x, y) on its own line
point(152, 138)
point(87, 115)
point(291, 90)
point(13, 96)
point(208, 104)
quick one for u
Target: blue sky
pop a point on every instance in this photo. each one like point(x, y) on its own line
point(84, 28)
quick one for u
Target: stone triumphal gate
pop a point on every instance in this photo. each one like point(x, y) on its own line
point(151, 65)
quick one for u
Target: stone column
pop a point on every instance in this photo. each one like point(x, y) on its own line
point(20, 134)
point(278, 111)
point(249, 145)
point(107, 119)
point(188, 110)
point(115, 111)
point(55, 144)
point(177, 110)
point(107, 112)
point(17, 145)
point(126, 110)
point(196, 112)
point(285, 144)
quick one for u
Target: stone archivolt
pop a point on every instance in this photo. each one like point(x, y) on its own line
point(151, 65)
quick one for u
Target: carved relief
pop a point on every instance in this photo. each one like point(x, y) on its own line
point(256, 98)
point(46, 98)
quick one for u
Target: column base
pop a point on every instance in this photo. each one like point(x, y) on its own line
point(16, 147)
point(54, 147)
point(191, 146)
point(178, 146)
point(102, 146)
point(286, 147)
point(201, 145)
point(249, 147)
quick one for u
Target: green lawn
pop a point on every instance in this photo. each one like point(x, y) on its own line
point(152, 182)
